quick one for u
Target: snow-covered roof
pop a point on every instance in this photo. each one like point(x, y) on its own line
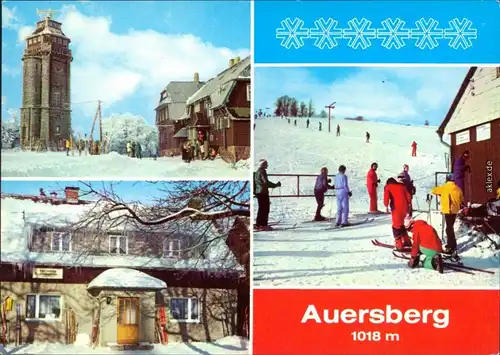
point(125, 278)
point(218, 88)
point(17, 214)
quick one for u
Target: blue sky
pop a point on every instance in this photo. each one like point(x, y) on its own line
point(127, 190)
point(125, 53)
point(390, 94)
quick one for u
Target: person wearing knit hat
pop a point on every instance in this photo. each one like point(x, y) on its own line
point(261, 191)
point(410, 187)
point(425, 242)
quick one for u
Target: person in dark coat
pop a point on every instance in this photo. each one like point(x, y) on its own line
point(138, 150)
point(338, 130)
point(320, 188)
point(367, 137)
point(307, 123)
point(319, 126)
point(261, 191)
point(408, 182)
point(459, 169)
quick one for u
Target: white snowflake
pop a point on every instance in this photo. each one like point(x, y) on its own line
point(393, 33)
point(359, 33)
point(427, 33)
point(460, 33)
point(292, 33)
point(326, 33)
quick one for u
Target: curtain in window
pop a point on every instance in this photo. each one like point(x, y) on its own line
point(194, 309)
point(30, 306)
point(49, 307)
point(123, 245)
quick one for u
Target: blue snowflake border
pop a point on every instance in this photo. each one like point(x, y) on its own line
point(393, 33)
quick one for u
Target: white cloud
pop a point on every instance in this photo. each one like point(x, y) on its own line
point(112, 67)
point(7, 70)
point(9, 18)
point(396, 94)
point(23, 32)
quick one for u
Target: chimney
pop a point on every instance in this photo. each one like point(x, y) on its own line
point(196, 78)
point(72, 194)
point(231, 62)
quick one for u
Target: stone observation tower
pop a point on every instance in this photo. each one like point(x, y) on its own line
point(46, 110)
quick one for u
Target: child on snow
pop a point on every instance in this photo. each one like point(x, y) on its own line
point(320, 188)
point(425, 241)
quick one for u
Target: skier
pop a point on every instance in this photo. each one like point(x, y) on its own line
point(425, 241)
point(319, 126)
point(396, 196)
point(295, 123)
point(261, 191)
point(372, 182)
point(42, 193)
point(338, 130)
point(254, 126)
point(138, 150)
point(133, 150)
point(86, 144)
point(367, 137)
point(459, 169)
point(129, 149)
point(320, 188)
point(68, 146)
point(451, 200)
point(307, 123)
point(414, 149)
point(343, 193)
point(410, 187)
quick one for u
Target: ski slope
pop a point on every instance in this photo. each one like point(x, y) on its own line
point(16, 163)
point(309, 255)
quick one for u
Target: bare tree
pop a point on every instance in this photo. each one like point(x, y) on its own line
point(185, 222)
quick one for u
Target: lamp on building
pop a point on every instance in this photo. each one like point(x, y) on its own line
point(108, 300)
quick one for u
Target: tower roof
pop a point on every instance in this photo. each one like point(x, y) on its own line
point(47, 25)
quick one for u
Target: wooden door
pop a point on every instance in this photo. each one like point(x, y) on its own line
point(127, 320)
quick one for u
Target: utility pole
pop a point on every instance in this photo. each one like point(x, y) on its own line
point(330, 107)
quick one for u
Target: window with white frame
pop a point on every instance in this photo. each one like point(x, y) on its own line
point(45, 307)
point(185, 309)
point(118, 244)
point(61, 241)
point(248, 92)
point(172, 248)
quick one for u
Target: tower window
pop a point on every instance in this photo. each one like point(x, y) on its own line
point(58, 129)
point(56, 99)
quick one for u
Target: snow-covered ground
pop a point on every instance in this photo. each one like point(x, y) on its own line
point(310, 256)
point(16, 163)
point(229, 345)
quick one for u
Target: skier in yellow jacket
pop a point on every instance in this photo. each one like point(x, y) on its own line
point(451, 199)
point(498, 189)
point(68, 146)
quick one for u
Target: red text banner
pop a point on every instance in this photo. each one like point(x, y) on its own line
point(372, 322)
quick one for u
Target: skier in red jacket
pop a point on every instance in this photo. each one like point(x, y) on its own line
point(397, 197)
point(414, 149)
point(372, 182)
point(425, 241)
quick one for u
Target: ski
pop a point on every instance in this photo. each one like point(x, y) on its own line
point(450, 257)
point(328, 220)
point(390, 246)
point(445, 265)
point(367, 220)
point(278, 229)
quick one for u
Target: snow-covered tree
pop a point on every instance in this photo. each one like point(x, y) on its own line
point(126, 127)
point(10, 132)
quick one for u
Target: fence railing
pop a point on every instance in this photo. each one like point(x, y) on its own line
point(296, 185)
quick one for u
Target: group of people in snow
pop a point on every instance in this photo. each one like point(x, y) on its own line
point(134, 149)
point(86, 146)
point(398, 195)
